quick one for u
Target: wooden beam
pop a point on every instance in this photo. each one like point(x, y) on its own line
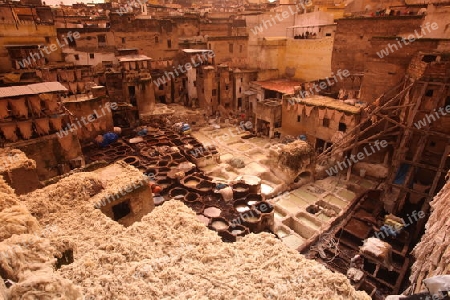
point(422, 166)
point(409, 190)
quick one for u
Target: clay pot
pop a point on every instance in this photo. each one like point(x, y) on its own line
point(267, 214)
point(252, 220)
point(219, 224)
point(240, 190)
point(196, 206)
point(205, 186)
point(163, 163)
point(212, 212)
point(226, 236)
point(191, 197)
point(132, 160)
point(241, 206)
point(252, 199)
point(238, 230)
point(177, 193)
point(110, 152)
point(190, 182)
point(176, 156)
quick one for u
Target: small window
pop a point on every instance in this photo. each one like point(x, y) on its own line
point(432, 144)
point(77, 57)
point(91, 55)
point(230, 48)
point(241, 48)
point(429, 58)
point(156, 39)
point(209, 46)
point(227, 87)
point(102, 38)
point(121, 210)
point(195, 83)
point(47, 39)
point(326, 122)
point(107, 64)
point(342, 127)
point(429, 93)
point(299, 118)
point(123, 40)
point(240, 90)
point(214, 92)
point(327, 34)
point(169, 44)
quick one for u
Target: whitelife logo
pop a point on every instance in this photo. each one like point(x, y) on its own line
point(187, 66)
point(323, 85)
point(433, 117)
point(411, 38)
point(49, 49)
point(356, 158)
point(266, 24)
point(89, 119)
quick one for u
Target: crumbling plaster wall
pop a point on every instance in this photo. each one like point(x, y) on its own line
point(84, 109)
point(52, 154)
point(432, 252)
point(311, 122)
point(382, 74)
point(307, 59)
point(26, 34)
point(354, 36)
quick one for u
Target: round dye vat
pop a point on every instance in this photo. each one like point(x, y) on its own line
point(266, 189)
point(212, 212)
point(242, 208)
point(219, 225)
point(203, 219)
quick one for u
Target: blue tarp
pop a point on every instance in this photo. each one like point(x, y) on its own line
point(185, 127)
point(401, 174)
point(142, 132)
point(108, 138)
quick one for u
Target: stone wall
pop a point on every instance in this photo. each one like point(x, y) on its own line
point(431, 253)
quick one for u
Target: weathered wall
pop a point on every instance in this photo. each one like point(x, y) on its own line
point(311, 121)
point(231, 50)
point(52, 154)
point(26, 33)
point(157, 39)
point(440, 15)
point(88, 108)
point(307, 59)
point(140, 202)
point(84, 58)
point(431, 253)
point(353, 38)
point(382, 74)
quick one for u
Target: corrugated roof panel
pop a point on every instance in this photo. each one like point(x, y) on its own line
point(138, 57)
point(37, 88)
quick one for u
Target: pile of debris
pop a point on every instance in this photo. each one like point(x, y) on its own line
point(168, 255)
